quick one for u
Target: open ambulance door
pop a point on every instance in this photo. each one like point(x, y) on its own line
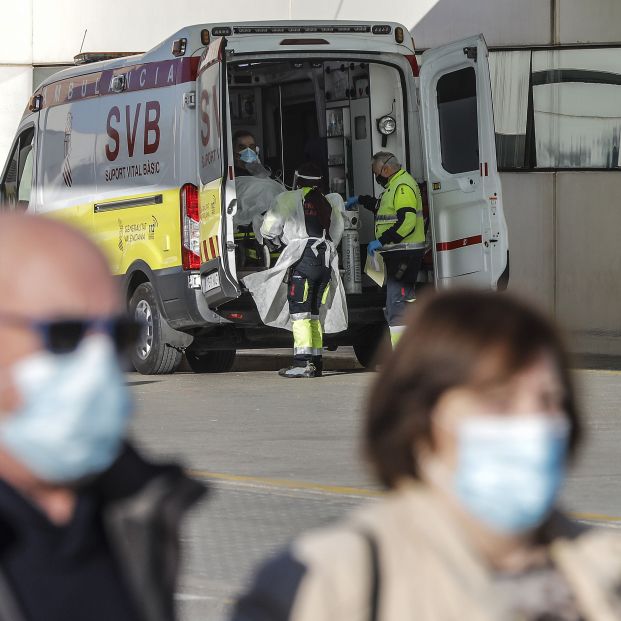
point(468, 225)
point(216, 193)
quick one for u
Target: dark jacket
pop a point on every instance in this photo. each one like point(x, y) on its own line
point(142, 507)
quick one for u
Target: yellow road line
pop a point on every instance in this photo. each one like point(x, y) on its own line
point(340, 490)
point(595, 517)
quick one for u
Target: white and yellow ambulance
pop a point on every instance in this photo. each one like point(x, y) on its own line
point(137, 151)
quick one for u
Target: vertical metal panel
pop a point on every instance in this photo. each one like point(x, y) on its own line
point(589, 22)
point(528, 199)
point(589, 259)
point(16, 83)
point(503, 22)
point(16, 33)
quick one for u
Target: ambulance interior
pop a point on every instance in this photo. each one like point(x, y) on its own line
point(328, 112)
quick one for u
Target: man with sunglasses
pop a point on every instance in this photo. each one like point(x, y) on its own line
point(88, 529)
point(399, 232)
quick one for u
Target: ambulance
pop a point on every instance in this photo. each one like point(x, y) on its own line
point(137, 151)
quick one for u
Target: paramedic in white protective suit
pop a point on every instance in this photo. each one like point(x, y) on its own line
point(312, 299)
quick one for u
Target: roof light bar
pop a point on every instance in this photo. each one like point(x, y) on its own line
point(381, 29)
point(345, 29)
point(95, 57)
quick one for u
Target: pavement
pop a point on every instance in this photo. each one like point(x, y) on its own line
point(277, 464)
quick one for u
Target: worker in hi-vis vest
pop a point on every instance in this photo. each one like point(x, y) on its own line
point(303, 292)
point(399, 233)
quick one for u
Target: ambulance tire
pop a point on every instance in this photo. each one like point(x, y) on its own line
point(151, 356)
point(216, 361)
point(369, 342)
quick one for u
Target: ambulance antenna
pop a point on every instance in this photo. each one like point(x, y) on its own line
point(83, 39)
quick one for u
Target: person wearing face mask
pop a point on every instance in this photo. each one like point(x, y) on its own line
point(246, 155)
point(399, 232)
point(255, 192)
point(89, 529)
point(470, 425)
point(303, 292)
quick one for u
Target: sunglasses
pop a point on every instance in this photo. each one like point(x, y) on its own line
point(62, 336)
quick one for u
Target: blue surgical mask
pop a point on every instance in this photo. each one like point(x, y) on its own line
point(510, 469)
point(248, 156)
point(74, 412)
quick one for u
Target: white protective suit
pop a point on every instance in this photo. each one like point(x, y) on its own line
point(255, 195)
point(285, 220)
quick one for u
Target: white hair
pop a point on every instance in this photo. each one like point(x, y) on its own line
point(386, 157)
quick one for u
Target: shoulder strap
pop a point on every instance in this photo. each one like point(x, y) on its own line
point(374, 590)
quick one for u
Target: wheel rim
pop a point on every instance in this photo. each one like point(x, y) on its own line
point(144, 316)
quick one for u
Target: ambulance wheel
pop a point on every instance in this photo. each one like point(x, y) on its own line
point(216, 361)
point(368, 343)
point(151, 355)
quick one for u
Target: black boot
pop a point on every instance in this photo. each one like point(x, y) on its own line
point(318, 362)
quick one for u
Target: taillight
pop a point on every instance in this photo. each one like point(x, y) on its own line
point(190, 228)
point(411, 58)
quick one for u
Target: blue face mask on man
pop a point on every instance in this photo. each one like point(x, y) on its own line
point(73, 415)
point(248, 156)
point(510, 469)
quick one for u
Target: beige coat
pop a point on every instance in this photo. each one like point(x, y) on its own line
point(427, 571)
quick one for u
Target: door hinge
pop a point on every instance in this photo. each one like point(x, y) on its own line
point(230, 246)
point(471, 53)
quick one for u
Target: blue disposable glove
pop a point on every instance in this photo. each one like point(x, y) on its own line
point(373, 247)
point(351, 202)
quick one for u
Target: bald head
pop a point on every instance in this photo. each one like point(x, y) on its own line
point(48, 271)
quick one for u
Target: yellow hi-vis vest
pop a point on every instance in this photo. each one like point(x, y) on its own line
point(402, 193)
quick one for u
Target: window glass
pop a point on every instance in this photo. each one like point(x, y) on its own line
point(457, 114)
point(42, 72)
point(510, 78)
point(18, 177)
point(360, 127)
point(25, 183)
point(577, 108)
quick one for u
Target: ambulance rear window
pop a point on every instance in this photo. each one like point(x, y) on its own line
point(457, 114)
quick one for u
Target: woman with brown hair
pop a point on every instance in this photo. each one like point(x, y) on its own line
point(470, 426)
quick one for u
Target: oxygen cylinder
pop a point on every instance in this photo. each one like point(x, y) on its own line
point(350, 248)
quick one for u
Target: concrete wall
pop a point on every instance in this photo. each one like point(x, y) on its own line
point(529, 200)
point(565, 252)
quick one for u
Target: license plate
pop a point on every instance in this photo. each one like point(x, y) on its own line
point(211, 281)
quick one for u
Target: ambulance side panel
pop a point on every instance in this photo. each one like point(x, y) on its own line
point(136, 215)
point(67, 133)
point(109, 164)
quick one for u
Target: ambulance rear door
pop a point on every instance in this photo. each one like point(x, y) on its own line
point(468, 225)
point(216, 193)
